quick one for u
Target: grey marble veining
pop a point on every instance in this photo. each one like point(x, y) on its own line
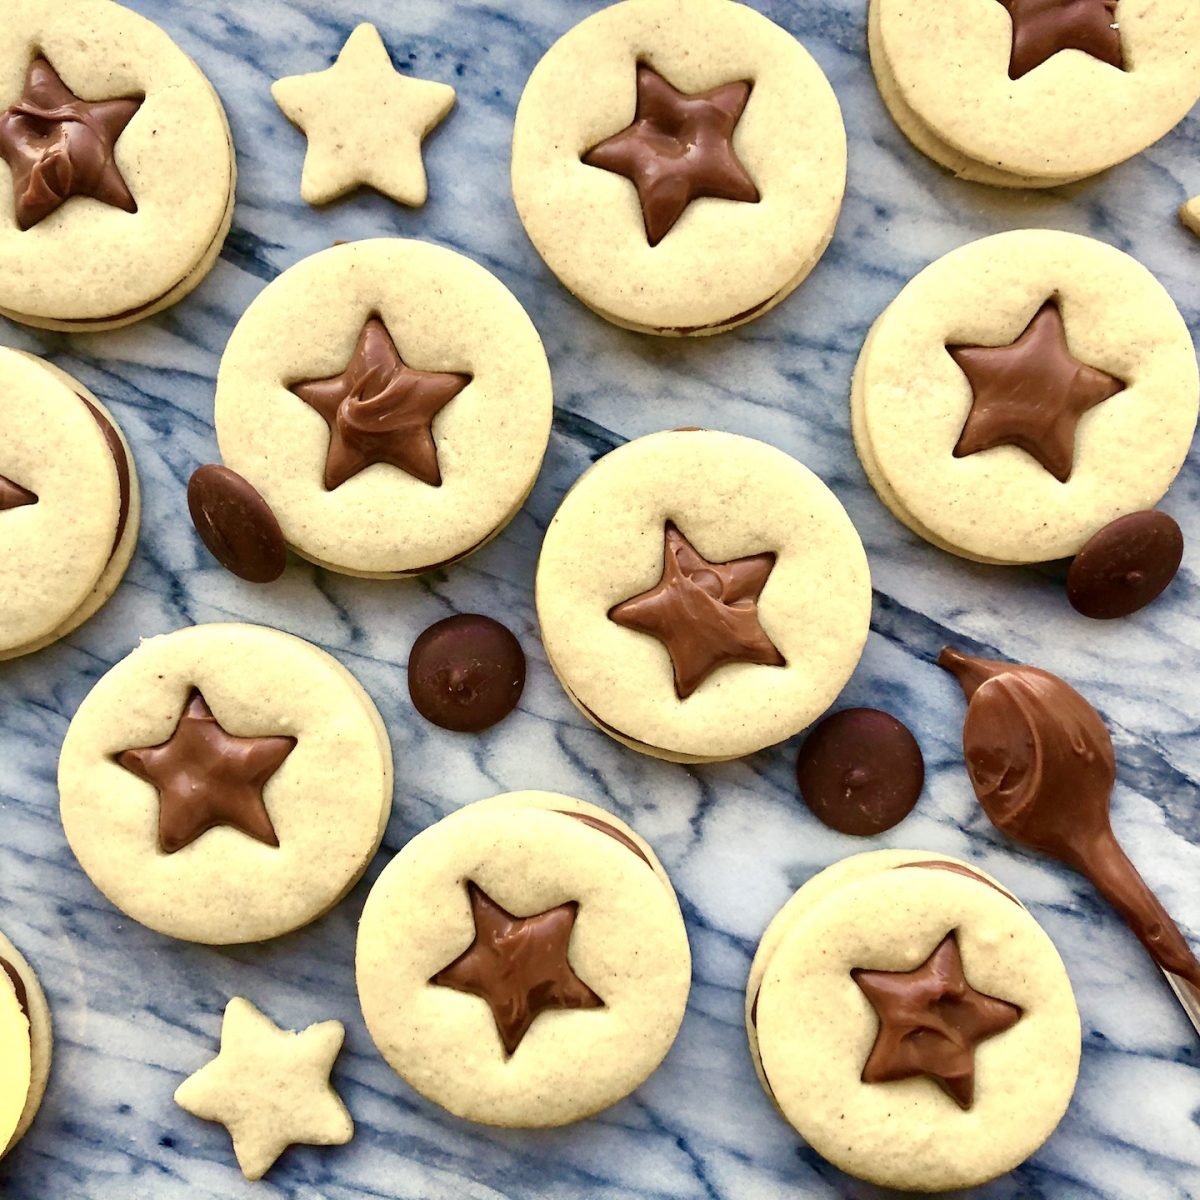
point(136, 1012)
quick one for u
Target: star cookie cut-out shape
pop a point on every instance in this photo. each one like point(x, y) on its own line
point(1031, 394)
point(270, 1087)
point(58, 146)
point(679, 148)
point(704, 613)
point(206, 777)
point(379, 410)
point(1042, 28)
point(13, 495)
point(519, 965)
point(930, 1021)
point(1189, 214)
point(364, 122)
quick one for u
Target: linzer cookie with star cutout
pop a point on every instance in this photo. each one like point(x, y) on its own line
point(116, 167)
point(26, 1041)
point(225, 783)
point(702, 595)
point(1022, 393)
point(524, 962)
point(390, 402)
point(913, 1022)
point(679, 167)
point(69, 504)
point(1034, 93)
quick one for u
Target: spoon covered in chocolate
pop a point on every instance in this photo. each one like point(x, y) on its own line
point(1042, 765)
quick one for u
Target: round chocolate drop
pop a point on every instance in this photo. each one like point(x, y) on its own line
point(236, 524)
point(1126, 565)
point(466, 673)
point(860, 771)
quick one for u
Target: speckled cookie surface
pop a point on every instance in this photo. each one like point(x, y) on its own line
point(445, 316)
point(945, 71)
point(626, 946)
point(64, 544)
point(91, 264)
point(731, 497)
point(175, 779)
point(34, 1047)
point(816, 1028)
point(724, 261)
point(911, 399)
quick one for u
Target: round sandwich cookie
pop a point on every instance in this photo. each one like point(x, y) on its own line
point(702, 595)
point(524, 962)
point(1021, 393)
point(25, 1045)
point(1026, 93)
point(390, 401)
point(69, 504)
point(913, 1022)
point(117, 189)
point(225, 783)
point(679, 166)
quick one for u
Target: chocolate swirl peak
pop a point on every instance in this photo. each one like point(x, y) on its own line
point(1042, 766)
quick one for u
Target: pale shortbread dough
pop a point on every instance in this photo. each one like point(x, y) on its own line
point(816, 1028)
point(58, 563)
point(90, 265)
point(724, 262)
point(731, 496)
point(38, 1037)
point(329, 801)
point(943, 70)
point(628, 944)
point(1189, 214)
point(444, 313)
point(910, 399)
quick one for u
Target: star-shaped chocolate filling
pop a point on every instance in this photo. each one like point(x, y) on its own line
point(1041, 28)
point(930, 1021)
point(206, 777)
point(379, 410)
point(704, 613)
point(13, 495)
point(58, 146)
point(519, 965)
point(1030, 394)
point(677, 149)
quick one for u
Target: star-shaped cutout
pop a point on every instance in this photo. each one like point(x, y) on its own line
point(1031, 394)
point(58, 146)
point(519, 965)
point(364, 122)
point(1189, 214)
point(678, 149)
point(13, 495)
point(930, 1021)
point(704, 613)
point(1041, 28)
point(206, 777)
point(379, 410)
point(270, 1087)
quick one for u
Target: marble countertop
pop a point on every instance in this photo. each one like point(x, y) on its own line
point(135, 1012)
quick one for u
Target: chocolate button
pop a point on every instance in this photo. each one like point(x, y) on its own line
point(236, 524)
point(860, 771)
point(1126, 565)
point(466, 673)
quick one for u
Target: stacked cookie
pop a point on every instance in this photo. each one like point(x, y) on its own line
point(25, 1045)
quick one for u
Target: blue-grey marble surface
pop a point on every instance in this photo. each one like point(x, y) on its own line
point(136, 1012)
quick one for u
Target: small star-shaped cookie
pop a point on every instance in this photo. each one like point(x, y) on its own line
point(364, 122)
point(704, 613)
point(519, 965)
point(930, 1021)
point(1031, 394)
point(1043, 28)
point(1189, 214)
point(270, 1087)
point(678, 149)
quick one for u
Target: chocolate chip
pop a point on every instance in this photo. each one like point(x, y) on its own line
point(860, 771)
point(236, 524)
point(466, 673)
point(1126, 565)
